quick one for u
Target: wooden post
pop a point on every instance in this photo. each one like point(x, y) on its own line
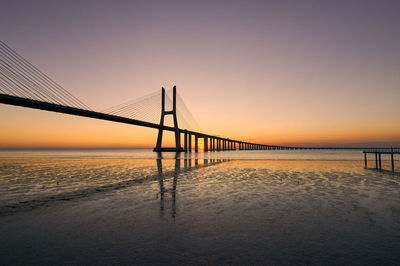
point(380, 161)
point(376, 160)
point(391, 155)
point(392, 161)
point(365, 160)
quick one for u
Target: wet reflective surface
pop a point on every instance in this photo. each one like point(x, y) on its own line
point(196, 211)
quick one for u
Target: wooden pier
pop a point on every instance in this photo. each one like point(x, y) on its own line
point(378, 156)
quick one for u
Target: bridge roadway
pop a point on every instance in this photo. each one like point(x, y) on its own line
point(211, 142)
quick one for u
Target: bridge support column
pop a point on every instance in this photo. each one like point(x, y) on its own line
point(190, 142)
point(159, 147)
point(196, 143)
point(185, 137)
point(205, 144)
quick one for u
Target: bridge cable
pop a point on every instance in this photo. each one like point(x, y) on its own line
point(41, 83)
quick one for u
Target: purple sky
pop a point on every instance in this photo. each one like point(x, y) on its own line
point(287, 71)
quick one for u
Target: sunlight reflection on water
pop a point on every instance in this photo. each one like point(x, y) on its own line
point(149, 154)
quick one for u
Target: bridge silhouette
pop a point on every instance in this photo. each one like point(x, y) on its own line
point(22, 84)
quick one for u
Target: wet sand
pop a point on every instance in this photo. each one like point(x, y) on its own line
point(152, 212)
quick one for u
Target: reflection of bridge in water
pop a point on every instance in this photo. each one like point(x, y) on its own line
point(22, 84)
point(188, 165)
point(160, 174)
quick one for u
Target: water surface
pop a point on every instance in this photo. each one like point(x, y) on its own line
point(74, 207)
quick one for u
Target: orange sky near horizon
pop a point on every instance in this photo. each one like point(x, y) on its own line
point(274, 73)
point(35, 128)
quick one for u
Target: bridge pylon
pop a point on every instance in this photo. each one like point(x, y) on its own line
point(159, 147)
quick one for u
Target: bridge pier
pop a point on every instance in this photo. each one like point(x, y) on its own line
point(196, 143)
point(205, 144)
point(159, 147)
point(185, 140)
point(190, 142)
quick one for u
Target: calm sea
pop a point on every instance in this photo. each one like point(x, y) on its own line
point(136, 207)
point(149, 154)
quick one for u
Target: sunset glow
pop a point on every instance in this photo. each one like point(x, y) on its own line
point(282, 74)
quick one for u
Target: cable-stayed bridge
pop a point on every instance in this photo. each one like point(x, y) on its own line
point(22, 84)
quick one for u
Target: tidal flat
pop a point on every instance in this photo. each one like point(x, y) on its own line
point(147, 211)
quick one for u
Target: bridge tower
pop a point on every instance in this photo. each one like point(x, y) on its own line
point(159, 147)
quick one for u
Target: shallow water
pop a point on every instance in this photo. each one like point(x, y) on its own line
point(149, 154)
point(119, 210)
